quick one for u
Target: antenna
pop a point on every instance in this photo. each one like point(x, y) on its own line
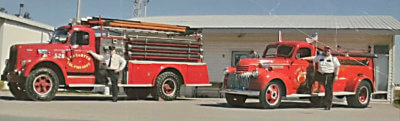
point(78, 12)
point(140, 8)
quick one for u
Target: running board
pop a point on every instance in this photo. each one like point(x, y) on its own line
point(257, 93)
point(321, 94)
point(86, 85)
point(198, 85)
point(379, 92)
point(135, 85)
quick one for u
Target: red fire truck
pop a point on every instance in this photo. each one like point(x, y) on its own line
point(160, 58)
point(281, 73)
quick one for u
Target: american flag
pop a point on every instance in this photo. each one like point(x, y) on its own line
point(314, 37)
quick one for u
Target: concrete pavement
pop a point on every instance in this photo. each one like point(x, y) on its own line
point(100, 108)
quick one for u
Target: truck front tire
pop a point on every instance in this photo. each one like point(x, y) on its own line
point(362, 97)
point(235, 100)
point(271, 96)
point(42, 84)
point(17, 89)
point(167, 86)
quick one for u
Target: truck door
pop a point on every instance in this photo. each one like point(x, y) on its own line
point(79, 62)
point(301, 69)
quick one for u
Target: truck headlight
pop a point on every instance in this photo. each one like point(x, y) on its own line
point(225, 71)
point(23, 63)
point(255, 73)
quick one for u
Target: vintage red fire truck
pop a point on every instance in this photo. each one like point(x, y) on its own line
point(282, 73)
point(160, 58)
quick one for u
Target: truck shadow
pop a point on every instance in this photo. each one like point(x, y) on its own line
point(283, 105)
point(88, 98)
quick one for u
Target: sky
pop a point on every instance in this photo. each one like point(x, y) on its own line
point(58, 12)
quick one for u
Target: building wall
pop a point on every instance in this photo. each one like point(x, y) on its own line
point(18, 33)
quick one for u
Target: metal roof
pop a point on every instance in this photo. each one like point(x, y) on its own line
point(26, 21)
point(279, 21)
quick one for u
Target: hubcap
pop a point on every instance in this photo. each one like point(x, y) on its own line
point(272, 94)
point(169, 87)
point(42, 84)
point(363, 98)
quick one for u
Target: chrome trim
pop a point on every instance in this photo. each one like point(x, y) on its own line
point(102, 85)
point(86, 85)
point(171, 62)
point(198, 85)
point(135, 85)
point(80, 77)
point(239, 81)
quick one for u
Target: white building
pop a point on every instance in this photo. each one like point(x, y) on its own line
point(17, 30)
point(228, 37)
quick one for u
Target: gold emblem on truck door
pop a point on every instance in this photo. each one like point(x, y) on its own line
point(78, 56)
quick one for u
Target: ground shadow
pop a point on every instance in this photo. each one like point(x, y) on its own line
point(283, 105)
point(90, 98)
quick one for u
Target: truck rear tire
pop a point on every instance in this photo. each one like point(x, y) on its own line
point(17, 89)
point(271, 96)
point(362, 97)
point(137, 93)
point(42, 84)
point(235, 100)
point(167, 86)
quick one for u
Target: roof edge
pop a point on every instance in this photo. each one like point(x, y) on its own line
point(26, 21)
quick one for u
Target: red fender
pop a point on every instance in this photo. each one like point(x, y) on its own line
point(176, 67)
point(267, 76)
point(29, 66)
point(352, 86)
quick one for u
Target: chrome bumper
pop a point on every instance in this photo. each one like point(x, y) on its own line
point(242, 92)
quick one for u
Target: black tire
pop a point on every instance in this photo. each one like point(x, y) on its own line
point(17, 89)
point(317, 101)
point(362, 97)
point(42, 84)
point(235, 100)
point(275, 90)
point(137, 93)
point(167, 86)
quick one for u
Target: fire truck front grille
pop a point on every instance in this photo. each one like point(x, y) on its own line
point(12, 62)
point(239, 81)
point(242, 68)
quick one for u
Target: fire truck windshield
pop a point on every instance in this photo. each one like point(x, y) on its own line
point(60, 35)
point(278, 51)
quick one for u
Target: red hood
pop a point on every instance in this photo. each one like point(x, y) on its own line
point(257, 61)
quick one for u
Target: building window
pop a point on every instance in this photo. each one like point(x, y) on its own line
point(237, 55)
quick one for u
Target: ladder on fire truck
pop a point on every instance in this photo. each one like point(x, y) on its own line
point(181, 44)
